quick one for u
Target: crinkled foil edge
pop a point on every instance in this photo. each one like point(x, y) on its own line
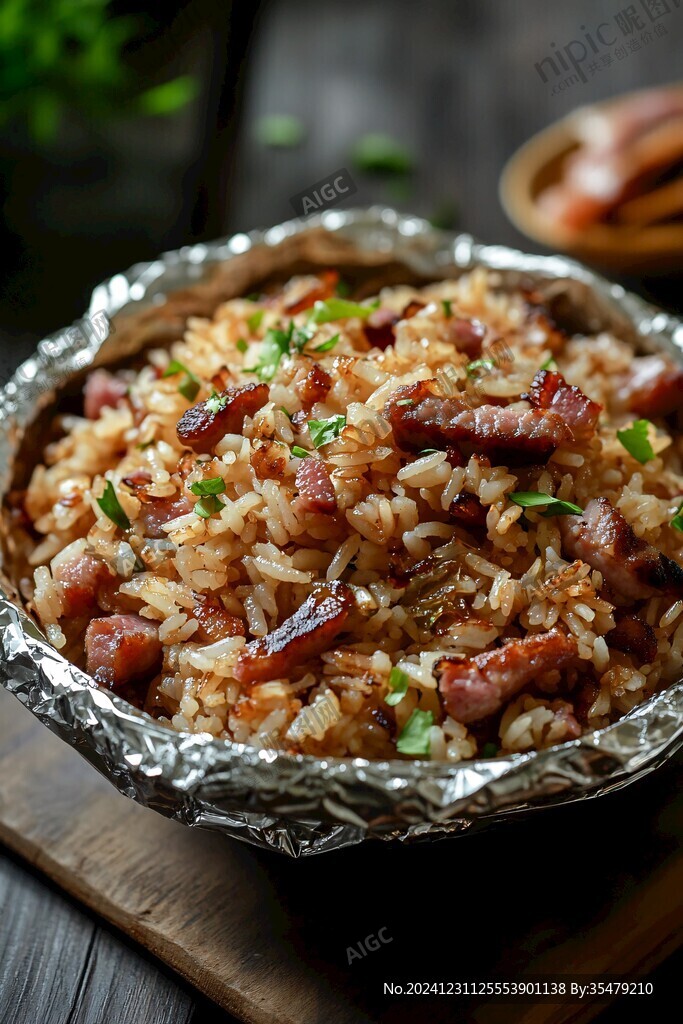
point(300, 805)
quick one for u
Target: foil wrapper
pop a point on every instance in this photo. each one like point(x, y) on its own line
point(300, 805)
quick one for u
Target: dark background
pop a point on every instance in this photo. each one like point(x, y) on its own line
point(453, 82)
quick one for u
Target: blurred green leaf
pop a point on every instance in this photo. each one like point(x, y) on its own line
point(282, 131)
point(380, 154)
point(44, 115)
point(169, 97)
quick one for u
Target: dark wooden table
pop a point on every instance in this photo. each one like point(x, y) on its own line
point(456, 83)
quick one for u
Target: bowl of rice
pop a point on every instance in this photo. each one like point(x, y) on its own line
point(332, 517)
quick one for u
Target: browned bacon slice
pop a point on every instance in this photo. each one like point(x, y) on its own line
point(301, 293)
point(467, 510)
point(314, 387)
point(122, 649)
point(215, 622)
point(102, 389)
point(654, 387)
point(633, 635)
point(156, 512)
point(316, 490)
point(379, 328)
point(80, 581)
point(474, 688)
point(549, 390)
point(422, 419)
point(311, 630)
point(201, 428)
point(466, 335)
point(631, 567)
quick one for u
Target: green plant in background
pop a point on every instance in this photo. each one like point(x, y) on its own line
point(68, 54)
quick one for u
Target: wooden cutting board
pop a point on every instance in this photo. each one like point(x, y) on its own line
point(588, 889)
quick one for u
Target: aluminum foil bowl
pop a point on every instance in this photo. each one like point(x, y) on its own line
point(300, 805)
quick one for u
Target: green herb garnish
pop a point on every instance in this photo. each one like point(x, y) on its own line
point(326, 310)
point(343, 288)
point(299, 452)
point(111, 507)
point(241, 345)
point(447, 308)
point(216, 403)
point(398, 682)
point(414, 738)
point(274, 346)
point(190, 385)
point(636, 442)
point(406, 401)
point(214, 485)
point(430, 451)
point(300, 336)
point(677, 521)
point(553, 506)
point(145, 445)
point(548, 363)
point(486, 365)
point(287, 414)
point(208, 506)
point(326, 346)
point(489, 750)
point(324, 431)
point(254, 321)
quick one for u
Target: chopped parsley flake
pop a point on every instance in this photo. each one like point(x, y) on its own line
point(414, 738)
point(636, 441)
point(398, 682)
point(190, 385)
point(324, 431)
point(111, 507)
point(214, 485)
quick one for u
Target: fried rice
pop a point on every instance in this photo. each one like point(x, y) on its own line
point(303, 575)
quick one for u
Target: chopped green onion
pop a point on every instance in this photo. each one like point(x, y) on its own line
point(447, 308)
point(145, 444)
point(414, 738)
point(111, 507)
point(299, 452)
point(208, 506)
point(480, 364)
point(326, 346)
point(189, 387)
point(214, 485)
point(406, 401)
point(553, 506)
point(286, 412)
point(254, 321)
point(636, 441)
point(216, 403)
point(398, 682)
point(324, 431)
point(489, 750)
point(326, 310)
point(430, 451)
point(241, 345)
point(548, 363)
point(343, 288)
point(677, 521)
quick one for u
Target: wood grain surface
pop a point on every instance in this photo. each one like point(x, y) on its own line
point(590, 890)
